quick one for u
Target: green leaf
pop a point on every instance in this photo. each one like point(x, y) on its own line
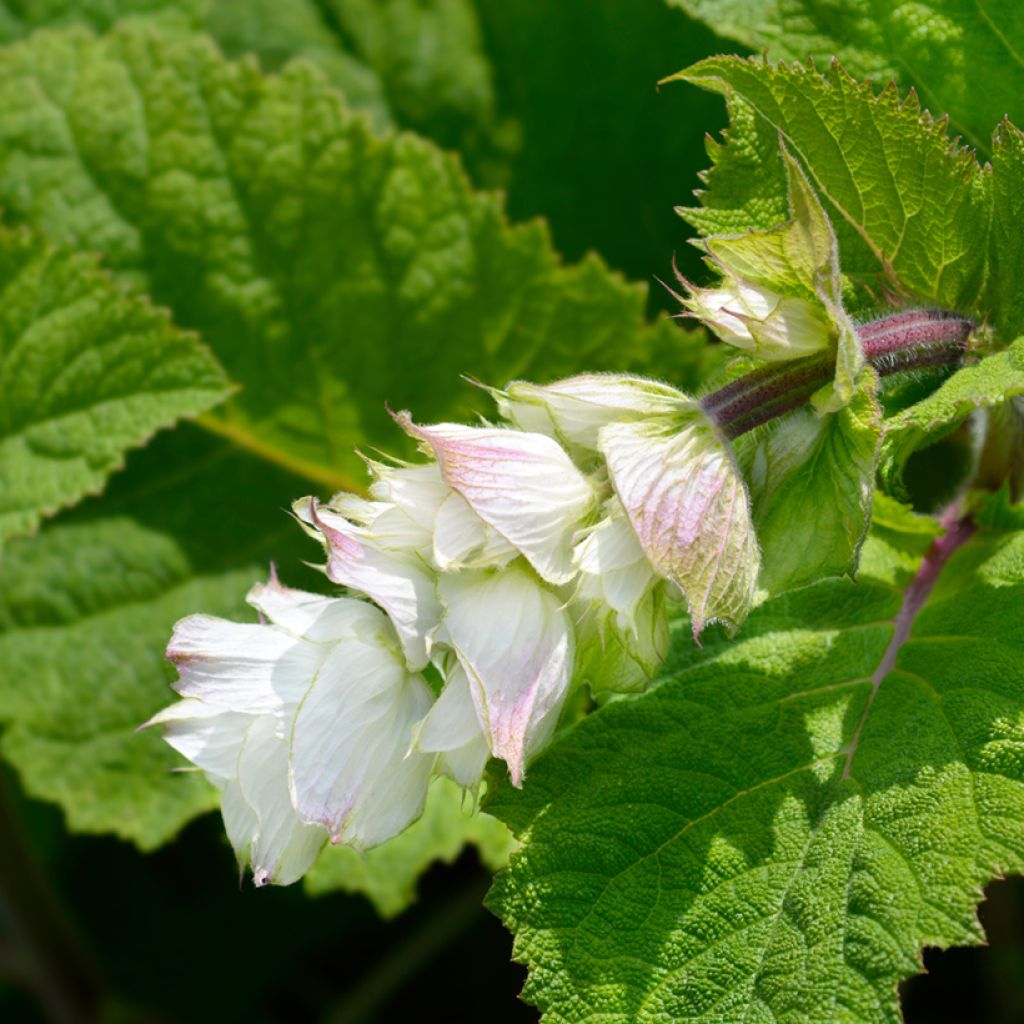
point(330, 270)
point(1007, 242)
point(778, 830)
point(19, 18)
point(85, 374)
point(278, 31)
point(87, 607)
point(943, 48)
point(986, 384)
point(388, 874)
point(911, 212)
point(811, 486)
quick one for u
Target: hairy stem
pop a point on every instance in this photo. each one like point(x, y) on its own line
point(905, 341)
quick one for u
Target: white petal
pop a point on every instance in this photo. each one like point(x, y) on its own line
point(351, 769)
point(462, 539)
point(255, 669)
point(416, 490)
point(401, 585)
point(576, 408)
point(515, 641)
point(453, 728)
point(313, 616)
point(209, 737)
point(524, 485)
point(283, 847)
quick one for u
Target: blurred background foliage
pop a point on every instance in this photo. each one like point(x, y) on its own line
point(554, 104)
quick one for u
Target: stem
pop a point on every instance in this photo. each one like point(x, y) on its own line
point(958, 532)
point(44, 954)
point(911, 340)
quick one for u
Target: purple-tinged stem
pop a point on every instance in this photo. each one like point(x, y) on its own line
point(912, 340)
point(958, 531)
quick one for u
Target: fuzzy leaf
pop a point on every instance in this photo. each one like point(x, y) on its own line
point(986, 384)
point(328, 269)
point(1007, 240)
point(388, 874)
point(911, 213)
point(768, 836)
point(85, 374)
point(940, 47)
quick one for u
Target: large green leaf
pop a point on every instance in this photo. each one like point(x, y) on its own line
point(945, 49)
point(85, 374)
point(776, 832)
point(1007, 238)
point(388, 874)
point(330, 270)
point(911, 212)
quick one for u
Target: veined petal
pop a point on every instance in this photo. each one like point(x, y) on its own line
point(575, 409)
point(452, 728)
point(400, 584)
point(524, 485)
point(351, 770)
point(282, 847)
point(688, 505)
point(515, 641)
point(255, 669)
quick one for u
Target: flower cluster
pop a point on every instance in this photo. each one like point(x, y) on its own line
point(521, 560)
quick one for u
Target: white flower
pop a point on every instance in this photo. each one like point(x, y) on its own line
point(399, 581)
point(575, 409)
point(304, 722)
point(515, 641)
point(760, 320)
point(525, 486)
point(622, 600)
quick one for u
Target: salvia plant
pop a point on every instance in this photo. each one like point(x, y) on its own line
point(707, 632)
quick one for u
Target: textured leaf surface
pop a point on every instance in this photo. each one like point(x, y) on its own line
point(85, 374)
point(18, 18)
point(769, 837)
point(909, 211)
point(811, 482)
point(940, 47)
point(1007, 238)
point(986, 384)
point(86, 609)
point(388, 873)
point(328, 269)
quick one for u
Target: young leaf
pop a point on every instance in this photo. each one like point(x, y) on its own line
point(778, 830)
point(988, 383)
point(85, 374)
point(811, 483)
point(388, 874)
point(329, 270)
point(915, 209)
point(939, 47)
